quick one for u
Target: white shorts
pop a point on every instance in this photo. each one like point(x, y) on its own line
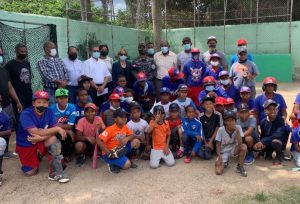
point(157, 155)
point(2, 145)
point(228, 154)
point(296, 156)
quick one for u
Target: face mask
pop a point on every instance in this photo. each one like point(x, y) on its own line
point(129, 99)
point(73, 57)
point(214, 63)
point(150, 51)
point(1, 59)
point(53, 52)
point(242, 46)
point(104, 53)
point(164, 49)
point(22, 56)
point(122, 98)
point(112, 108)
point(210, 88)
point(187, 46)
point(123, 57)
point(40, 109)
point(96, 55)
point(225, 82)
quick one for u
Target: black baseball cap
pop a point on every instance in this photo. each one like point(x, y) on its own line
point(119, 113)
point(268, 103)
point(174, 107)
point(229, 114)
point(207, 98)
point(243, 107)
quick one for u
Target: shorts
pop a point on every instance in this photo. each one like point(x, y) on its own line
point(120, 162)
point(28, 156)
point(193, 93)
point(157, 155)
point(228, 154)
point(296, 156)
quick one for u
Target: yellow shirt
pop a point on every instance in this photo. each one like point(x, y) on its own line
point(164, 62)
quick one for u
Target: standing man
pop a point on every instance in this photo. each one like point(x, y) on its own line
point(97, 69)
point(163, 60)
point(74, 68)
point(150, 49)
point(212, 44)
point(241, 43)
point(53, 71)
point(185, 55)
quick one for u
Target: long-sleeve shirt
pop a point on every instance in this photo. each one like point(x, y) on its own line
point(271, 130)
point(192, 127)
point(127, 72)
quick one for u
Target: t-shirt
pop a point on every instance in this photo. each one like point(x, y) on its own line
point(166, 108)
point(112, 135)
point(183, 57)
point(4, 78)
point(29, 119)
point(90, 129)
point(174, 123)
point(239, 69)
point(79, 111)
point(4, 122)
point(231, 92)
point(250, 122)
point(20, 77)
point(159, 135)
point(183, 104)
point(234, 58)
point(172, 85)
point(66, 116)
point(194, 72)
point(295, 138)
point(138, 128)
point(250, 103)
point(209, 124)
point(228, 142)
point(214, 73)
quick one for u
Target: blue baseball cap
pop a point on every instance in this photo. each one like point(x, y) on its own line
point(164, 90)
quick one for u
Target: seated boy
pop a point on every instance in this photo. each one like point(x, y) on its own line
point(295, 140)
point(65, 115)
point(164, 100)
point(87, 129)
point(245, 93)
point(192, 134)
point(229, 143)
point(159, 130)
point(36, 135)
point(172, 81)
point(248, 125)
point(82, 100)
point(107, 115)
point(219, 105)
point(117, 136)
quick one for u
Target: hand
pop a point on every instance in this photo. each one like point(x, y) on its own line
point(62, 133)
point(157, 116)
point(19, 107)
point(34, 138)
point(198, 138)
point(210, 145)
point(166, 150)
point(123, 141)
point(259, 146)
point(92, 140)
point(148, 148)
point(100, 89)
point(212, 94)
point(250, 77)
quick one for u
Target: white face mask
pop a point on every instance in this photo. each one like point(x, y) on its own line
point(214, 63)
point(113, 109)
point(53, 52)
point(129, 99)
point(210, 88)
point(225, 82)
point(242, 46)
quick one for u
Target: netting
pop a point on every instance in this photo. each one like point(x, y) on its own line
point(33, 38)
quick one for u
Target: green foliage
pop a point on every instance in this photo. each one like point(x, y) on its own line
point(261, 197)
point(83, 49)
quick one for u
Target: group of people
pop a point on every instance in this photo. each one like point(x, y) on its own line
point(160, 106)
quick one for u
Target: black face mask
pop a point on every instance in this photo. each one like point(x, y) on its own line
point(40, 109)
point(104, 53)
point(22, 56)
point(72, 57)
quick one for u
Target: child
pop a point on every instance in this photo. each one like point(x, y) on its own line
point(5, 132)
point(245, 93)
point(87, 129)
point(114, 101)
point(211, 121)
point(219, 104)
point(117, 135)
point(159, 130)
point(122, 82)
point(85, 83)
point(229, 143)
point(227, 89)
point(182, 100)
point(82, 100)
point(215, 67)
point(192, 134)
point(172, 81)
point(175, 124)
point(65, 115)
point(248, 125)
point(272, 133)
point(164, 100)
point(295, 140)
point(229, 104)
point(138, 126)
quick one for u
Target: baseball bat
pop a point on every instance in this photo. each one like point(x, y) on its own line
point(95, 156)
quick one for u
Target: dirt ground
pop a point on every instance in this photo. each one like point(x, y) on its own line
point(184, 183)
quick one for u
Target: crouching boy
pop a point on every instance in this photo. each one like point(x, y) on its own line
point(295, 140)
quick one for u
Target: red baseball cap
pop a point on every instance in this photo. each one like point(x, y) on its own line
point(40, 94)
point(114, 96)
point(241, 41)
point(195, 50)
point(175, 73)
point(141, 76)
point(219, 101)
point(229, 101)
point(90, 105)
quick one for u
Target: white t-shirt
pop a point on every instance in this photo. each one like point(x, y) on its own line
point(166, 108)
point(75, 69)
point(109, 62)
point(96, 69)
point(138, 128)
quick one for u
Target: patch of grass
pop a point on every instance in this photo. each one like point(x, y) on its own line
point(261, 197)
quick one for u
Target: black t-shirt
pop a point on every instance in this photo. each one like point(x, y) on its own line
point(20, 77)
point(209, 124)
point(4, 78)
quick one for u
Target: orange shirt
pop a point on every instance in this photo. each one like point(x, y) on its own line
point(113, 134)
point(159, 135)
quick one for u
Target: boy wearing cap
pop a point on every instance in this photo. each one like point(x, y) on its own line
point(243, 72)
point(87, 129)
point(183, 101)
point(65, 114)
point(229, 143)
point(272, 133)
point(229, 104)
point(114, 104)
point(295, 141)
point(215, 67)
point(164, 100)
point(172, 81)
point(241, 43)
point(249, 127)
point(245, 93)
point(117, 135)
point(36, 133)
point(227, 89)
point(219, 105)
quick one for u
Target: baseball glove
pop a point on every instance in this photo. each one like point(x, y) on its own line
point(219, 166)
point(117, 152)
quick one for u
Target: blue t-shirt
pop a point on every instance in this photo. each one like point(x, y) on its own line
point(231, 92)
point(4, 122)
point(234, 58)
point(172, 85)
point(67, 116)
point(28, 120)
point(211, 72)
point(260, 100)
point(295, 138)
point(250, 103)
point(194, 72)
point(148, 90)
point(79, 111)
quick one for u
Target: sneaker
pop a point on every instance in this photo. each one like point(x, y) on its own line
point(187, 160)
point(1, 179)
point(179, 154)
point(286, 156)
point(240, 169)
point(226, 164)
point(59, 178)
point(133, 165)
point(80, 160)
point(277, 160)
point(10, 155)
point(113, 169)
point(249, 158)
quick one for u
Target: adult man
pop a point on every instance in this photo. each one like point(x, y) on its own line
point(212, 44)
point(150, 49)
point(74, 67)
point(97, 69)
point(185, 55)
point(53, 70)
point(241, 43)
point(163, 60)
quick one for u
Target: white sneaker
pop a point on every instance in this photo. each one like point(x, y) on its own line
point(59, 178)
point(1, 179)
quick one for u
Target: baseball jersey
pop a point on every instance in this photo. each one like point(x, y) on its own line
point(29, 119)
point(204, 93)
point(90, 129)
point(295, 138)
point(159, 135)
point(183, 104)
point(4, 122)
point(67, 116)
point(138, 128)
point(172, 85)
point(214, 73)
point(250, 103)
point(231, 92)
point(194, 72)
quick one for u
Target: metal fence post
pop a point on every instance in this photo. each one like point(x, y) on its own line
point(256, 43)
point(224, 19)
point(290, 26)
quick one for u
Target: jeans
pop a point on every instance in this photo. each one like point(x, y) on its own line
point(72, 94)
point(51, 93)
point(191, 145)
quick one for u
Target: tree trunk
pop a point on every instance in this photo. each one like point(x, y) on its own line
point(105, 10)
point(140, 13)
point(156, 20)
point(85, 7)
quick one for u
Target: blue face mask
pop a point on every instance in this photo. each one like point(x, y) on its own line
point(96, 55)
point(187, 46)
point(210, 88)
point(1, 59)
point(150, 51)
point(164, 49)
point(123, 57)
point(225, 82)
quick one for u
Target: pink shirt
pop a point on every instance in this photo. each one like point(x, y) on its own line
point(89, 129)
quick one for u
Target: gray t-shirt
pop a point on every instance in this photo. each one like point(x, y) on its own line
point(251, 122)
point(228, 142)
point(183, 57)
point(239, 69)
point(223, 61)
